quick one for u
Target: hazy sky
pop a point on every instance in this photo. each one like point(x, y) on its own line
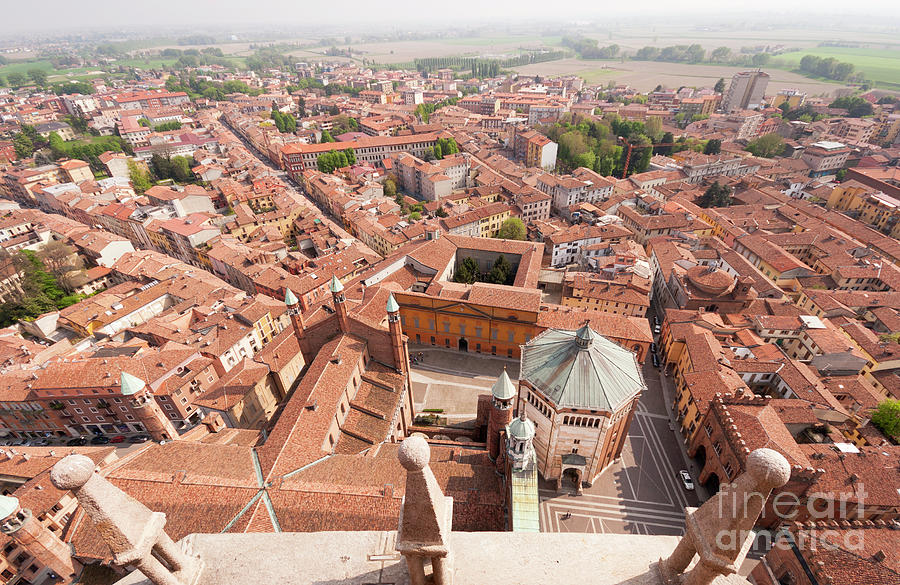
point(16, 16)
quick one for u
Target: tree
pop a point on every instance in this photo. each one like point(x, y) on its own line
point(38, 76)
point(501, 271)
point(390, 188)
point(653, 128)
point(23, 145)
point(856, 106)
point(719, 87)
point(415, 216)
point(181, 169)
point(512, 229)
point(438, 153)
point(467, 271)
point(716, 196)
point(16, 79)
point(60, 259)
point(767, 146)
point(713, 146)
point(326, 137)
point(887, 418)
point(140, 179)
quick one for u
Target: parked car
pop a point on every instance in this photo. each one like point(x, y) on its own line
point(653, 348)
point(118, 439)
point(139, 439)
point(656, 330)
point(77, 442)
point(41, 442)
point(686, 479)
point(100, 440)
point(655, 321)
point(655, 361)
point(18, 442)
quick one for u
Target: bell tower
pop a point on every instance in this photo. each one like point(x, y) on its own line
point(295, 312)
point(340, 304)
point(401, 356)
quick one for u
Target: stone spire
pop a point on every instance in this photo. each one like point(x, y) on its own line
point(295, 311)
point(720, 531)
point(502, 394)
point(426, 517)
point(148, 411)
point(48, 550)
point(398, 345)
point(133, 533)
point(340, 304)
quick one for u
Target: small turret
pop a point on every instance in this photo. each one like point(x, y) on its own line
point(502, 395)
point(149, 413)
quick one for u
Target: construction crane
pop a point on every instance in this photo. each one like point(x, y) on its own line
point(632, 147)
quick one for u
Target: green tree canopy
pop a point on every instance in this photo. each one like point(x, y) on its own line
point(38, 76)
point(887, 418)
point(140, 179)
point(712, 146)
point(768, 146)
point(512, 229)
point(716, 196)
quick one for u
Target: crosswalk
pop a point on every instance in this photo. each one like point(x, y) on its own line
point(649, 498)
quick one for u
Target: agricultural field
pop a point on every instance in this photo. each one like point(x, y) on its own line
point(646, 75)
point(881, 65)
point(407, 51)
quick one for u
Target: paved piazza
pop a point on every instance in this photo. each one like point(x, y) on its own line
point(639, 494)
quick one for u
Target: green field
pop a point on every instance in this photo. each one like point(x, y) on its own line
point(880, 65)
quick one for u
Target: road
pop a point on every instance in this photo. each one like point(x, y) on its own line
point(295, 188)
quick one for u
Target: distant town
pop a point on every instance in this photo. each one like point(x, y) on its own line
point(273, 294)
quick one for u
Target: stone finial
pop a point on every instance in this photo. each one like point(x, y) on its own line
point(721, 530)
point(426, 517)
point(132, 531)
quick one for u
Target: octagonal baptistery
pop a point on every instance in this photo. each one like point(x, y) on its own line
point(580, 390)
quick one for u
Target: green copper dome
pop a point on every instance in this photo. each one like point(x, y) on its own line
point(581, 369)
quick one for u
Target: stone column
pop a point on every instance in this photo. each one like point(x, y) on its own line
point(720, 531)
point(132, 531)
point(47, 549)
point(426, 517)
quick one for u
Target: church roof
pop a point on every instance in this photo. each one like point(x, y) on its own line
point(581, 369)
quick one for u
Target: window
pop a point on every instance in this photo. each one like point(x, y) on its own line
point(78, 411)
point(86, 401)
point(117, 400)
point(123, 408)
point(70, 401)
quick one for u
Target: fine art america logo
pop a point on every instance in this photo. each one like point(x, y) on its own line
point(823, 509)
